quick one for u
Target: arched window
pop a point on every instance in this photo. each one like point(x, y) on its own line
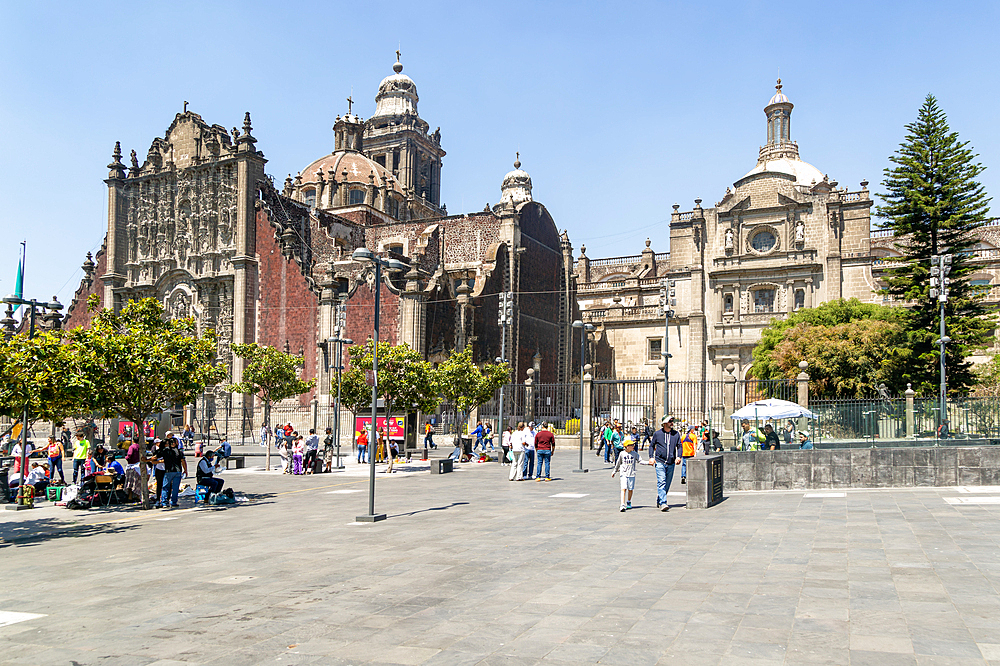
point(310, 197)
point(800, 298)
point(356, 197)
point(392, 206)
point(728, 304)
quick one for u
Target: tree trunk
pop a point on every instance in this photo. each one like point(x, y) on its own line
point(143, 476)
point(267, 444)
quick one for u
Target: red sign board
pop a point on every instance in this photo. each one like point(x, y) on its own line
point(396, 429)
point(127, 428)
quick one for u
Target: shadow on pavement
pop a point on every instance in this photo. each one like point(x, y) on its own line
point(26, 532)
point(433, 508)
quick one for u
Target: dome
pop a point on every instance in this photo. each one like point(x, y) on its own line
point(516, 186)
point(357, 166)
point(397, 94)
point(779, 97)
point(804, 173)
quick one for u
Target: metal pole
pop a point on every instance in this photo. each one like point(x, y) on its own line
point(503, 359)
point(583, 352)
point(372, 442)
point(24, 416)
point(944, 413)
point(340, 357)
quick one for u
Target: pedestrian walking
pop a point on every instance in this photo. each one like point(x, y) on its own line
point(545, 445)
point(393, 453)
point(175, 468)
point(429, 436)
point(689, 443)
point(664, 455)
point(626, 464)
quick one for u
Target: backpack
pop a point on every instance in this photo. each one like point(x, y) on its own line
point(688, 444)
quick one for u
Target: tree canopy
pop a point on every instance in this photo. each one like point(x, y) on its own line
point(932, 202)
point(465, 384)
point(136, 363)
point(42, 374)
point(405, 379)
point(838, 340)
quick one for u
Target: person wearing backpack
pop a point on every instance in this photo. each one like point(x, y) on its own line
point(689, 443)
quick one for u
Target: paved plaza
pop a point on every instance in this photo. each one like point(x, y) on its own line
point(470, 568)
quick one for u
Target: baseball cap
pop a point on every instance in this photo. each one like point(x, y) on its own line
point(666, 419)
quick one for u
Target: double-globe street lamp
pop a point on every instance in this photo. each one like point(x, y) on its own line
point(584, 330)
point(54, 307)
point(364, 255)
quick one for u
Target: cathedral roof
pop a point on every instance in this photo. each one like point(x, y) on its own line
point(350, 167)
point(804, 173)
point(397, 94)
point(779, 97)
point(516, 186)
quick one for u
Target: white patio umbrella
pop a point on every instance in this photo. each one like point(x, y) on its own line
point(772, 408)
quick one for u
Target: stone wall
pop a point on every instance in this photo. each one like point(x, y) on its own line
point(862, 468)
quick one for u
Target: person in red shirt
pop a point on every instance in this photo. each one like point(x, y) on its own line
point(363, 446)
point(545, 444)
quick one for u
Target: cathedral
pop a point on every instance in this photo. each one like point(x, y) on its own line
point(784, 236)
point(199, 225)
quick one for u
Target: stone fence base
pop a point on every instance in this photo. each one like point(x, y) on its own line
point(862, 468)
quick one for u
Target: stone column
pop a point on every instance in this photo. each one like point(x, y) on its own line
point(909, 393)
point(802, 379)
point(658, 395)
point(728, 398)
point(587, 405)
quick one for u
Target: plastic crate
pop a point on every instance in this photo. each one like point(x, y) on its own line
point(55, 493)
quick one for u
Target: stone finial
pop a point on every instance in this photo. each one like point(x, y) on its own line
point(89, 267)
point(802, 364)
point(697, 203)
point(648, 242)
point(116, 169)
point(864, 184)
point(135, 160)
point(287, 348)
point(583, 250)
point(247, 140)
point(397, 66)
point(730, 368)
point(517, 160)
point(676, 207)
point(288, 186)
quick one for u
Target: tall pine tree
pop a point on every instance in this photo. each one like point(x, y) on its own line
point(933, 203)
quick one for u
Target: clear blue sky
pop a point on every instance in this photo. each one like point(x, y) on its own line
point(619, 109)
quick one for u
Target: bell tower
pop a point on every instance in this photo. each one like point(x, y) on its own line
point(399, 139)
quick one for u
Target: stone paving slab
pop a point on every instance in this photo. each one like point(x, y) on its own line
point(470, 568)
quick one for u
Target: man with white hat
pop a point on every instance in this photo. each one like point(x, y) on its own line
point(664, 454)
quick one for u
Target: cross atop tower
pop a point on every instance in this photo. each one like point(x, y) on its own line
point(397, 55)
point(350, 103)
point(778, 86)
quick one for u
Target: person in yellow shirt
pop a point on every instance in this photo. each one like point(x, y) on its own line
point(80, 454)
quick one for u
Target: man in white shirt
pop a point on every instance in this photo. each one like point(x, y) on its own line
point(529, 451)
point(517, 446)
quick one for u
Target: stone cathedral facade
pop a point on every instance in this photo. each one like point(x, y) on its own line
point(201, 226)
point(782, 237)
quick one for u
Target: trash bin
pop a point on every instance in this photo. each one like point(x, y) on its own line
point(4, 488)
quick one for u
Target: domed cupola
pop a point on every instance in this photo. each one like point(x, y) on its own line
point(397, 94)
point(516, 186)
point(779, 118)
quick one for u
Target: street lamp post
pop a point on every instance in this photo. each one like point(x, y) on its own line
point(940, 269)
point(32, 304)
point(364, 255)
point(667, 300)
point(584, 329)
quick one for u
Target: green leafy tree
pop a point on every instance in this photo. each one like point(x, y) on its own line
point(933, 202)
point(270, 374)
point(847, 360)
point(771, 366)
point(355, 392)
point(467, 385)
point(405, 380)
point(43, 375)
point(137, 363)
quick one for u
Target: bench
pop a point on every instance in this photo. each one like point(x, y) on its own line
point(236, 462)
point(442, 465)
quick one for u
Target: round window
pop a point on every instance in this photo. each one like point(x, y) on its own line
point(763, 241)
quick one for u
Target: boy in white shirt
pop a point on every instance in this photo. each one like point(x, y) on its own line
point(626, 463)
